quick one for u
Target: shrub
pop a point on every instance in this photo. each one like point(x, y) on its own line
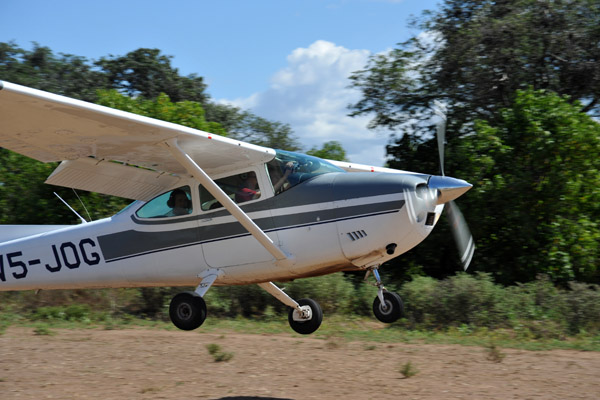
point(419, 297)
point(217, 353)
point(582, 311)
point(460, 299)
point(74, 312)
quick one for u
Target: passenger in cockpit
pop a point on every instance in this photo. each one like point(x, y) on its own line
point(249, 190)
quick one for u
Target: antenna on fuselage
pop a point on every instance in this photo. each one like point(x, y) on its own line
point(82, 204)
point(83, 221)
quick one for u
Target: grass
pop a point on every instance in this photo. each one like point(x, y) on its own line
point(494, 354)
point(217, 353)
point(335, 331)
point(408, 369)
point(43, 330)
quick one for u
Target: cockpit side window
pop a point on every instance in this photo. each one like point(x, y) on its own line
point(174, 203)
point(288, 169)
point(240, 188)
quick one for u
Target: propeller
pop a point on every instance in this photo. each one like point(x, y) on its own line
point(449, 189)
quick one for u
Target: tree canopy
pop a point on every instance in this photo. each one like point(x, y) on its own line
point(521, 81)
point(535, 205)
point(475, 54)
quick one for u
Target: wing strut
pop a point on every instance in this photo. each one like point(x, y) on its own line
point(198, 173)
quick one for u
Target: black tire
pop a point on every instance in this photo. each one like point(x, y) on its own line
point(187, 311)
point(309, 326)
point(393, 309)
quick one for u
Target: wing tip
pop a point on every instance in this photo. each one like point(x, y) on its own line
point(1, 85)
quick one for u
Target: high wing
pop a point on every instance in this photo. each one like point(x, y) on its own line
point(353, 167)
point(102, 149)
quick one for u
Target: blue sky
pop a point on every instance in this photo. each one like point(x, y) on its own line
point(285, 60)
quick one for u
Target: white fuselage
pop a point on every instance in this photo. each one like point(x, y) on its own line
point(326, 224)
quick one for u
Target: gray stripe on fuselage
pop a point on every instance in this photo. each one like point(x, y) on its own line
point(133, 243)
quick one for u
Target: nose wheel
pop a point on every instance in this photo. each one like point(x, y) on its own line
point(390, 310)
point(387, 306)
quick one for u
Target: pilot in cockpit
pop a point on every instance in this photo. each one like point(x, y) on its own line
point(179, 202)
point(279, 180)
point(249, 189)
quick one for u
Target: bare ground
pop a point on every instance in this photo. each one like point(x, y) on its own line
point(158, 364)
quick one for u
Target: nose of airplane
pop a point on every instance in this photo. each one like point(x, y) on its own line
point(448, 188)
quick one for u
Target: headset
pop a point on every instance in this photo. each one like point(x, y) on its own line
point(174, 193)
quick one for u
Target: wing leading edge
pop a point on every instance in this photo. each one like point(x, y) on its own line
point(49, 127)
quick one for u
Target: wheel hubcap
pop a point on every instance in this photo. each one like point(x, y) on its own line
point(385, 308)
point(184, 311)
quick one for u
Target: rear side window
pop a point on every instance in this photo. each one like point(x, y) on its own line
point(173, 203)
point(240, 188)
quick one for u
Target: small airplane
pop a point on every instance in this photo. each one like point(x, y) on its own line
point(209, 210)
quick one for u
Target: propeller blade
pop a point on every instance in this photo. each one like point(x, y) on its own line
point(449, 189)
point(440, 111)
point(462, 235)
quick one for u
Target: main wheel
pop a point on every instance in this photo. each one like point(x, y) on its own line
point(308, 326)
point(187, 311)
point(390, 310)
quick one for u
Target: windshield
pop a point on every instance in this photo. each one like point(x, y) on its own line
point(288, 169)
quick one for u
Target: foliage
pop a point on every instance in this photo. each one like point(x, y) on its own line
point(25, 199)
point(331, 150)
point(408, 370)
point(217, 353)
point(533, 163)
point(39, 68)
point(186, 113)
point(494, 353)
point(535, 204)
point(147, 73)
point(458, 300)
point(582, 307)
point(462, 306)
point(248, 127)
point(546, 154)
point(43, 330)
point(73, 312)
point(336, 294)
point(476, 53)
point(538, 309)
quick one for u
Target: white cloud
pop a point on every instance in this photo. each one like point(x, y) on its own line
point(311, 94)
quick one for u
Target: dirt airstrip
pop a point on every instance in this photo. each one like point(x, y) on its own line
point(158, 364)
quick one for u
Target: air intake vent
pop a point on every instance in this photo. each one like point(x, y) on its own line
point(430, 219)
point(357, 235)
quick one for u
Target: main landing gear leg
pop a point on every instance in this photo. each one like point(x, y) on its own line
point(188, 309)
point(305, 315)
point(387, 306)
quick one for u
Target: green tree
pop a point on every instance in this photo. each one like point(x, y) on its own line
point(25, 199)
point(248, 127)
point(331, 150)
point(187, 113)
point(536, 203)
point(474, 57)
point(147, 73)
point(477, 53)
point(39, 68)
